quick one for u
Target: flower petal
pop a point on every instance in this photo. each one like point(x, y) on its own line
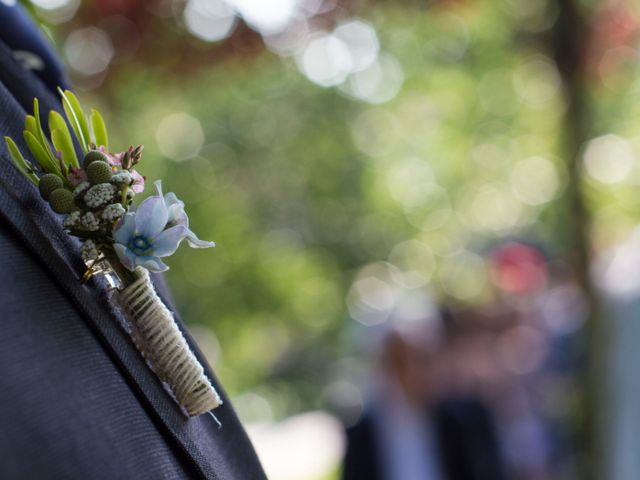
point(138, 182)
point(153, 264)
point(167, 242)
point(171, 198)
point(114, 159)
point(195, 242)
point(151, 216)
point(177, 215)
point(76, 176)
point(126, 256)
point(126, 229)
point(158, 186)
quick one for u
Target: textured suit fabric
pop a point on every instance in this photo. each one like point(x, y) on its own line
point(76, 398)
point(66, 411)
point(467, 447)
point(28, 44)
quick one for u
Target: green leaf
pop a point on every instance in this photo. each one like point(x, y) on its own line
point(76, 118)
point(99, 129)
point(20, 162)
point(41, 137)
point(45, 161)
point(30, 125)
point(64, 142)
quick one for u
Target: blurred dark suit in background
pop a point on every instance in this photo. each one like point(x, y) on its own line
point(465, 446)
point(413, 428)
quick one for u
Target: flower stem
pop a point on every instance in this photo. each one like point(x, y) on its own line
point(127, 277)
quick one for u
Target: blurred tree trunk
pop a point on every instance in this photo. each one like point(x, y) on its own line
point(569, 46)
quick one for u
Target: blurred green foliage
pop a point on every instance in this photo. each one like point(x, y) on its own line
point(301, 186)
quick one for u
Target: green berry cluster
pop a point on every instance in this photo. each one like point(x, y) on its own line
point(94, 205)
point(99, 172)
point(100, 200)
point(53, 190)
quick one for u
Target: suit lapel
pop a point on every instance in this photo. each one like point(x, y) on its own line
point(41, 231)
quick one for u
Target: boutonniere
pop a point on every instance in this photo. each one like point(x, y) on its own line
point(95, 194)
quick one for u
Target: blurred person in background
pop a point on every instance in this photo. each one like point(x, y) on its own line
point(518, 353)
point(415, 427)
point(536, 356)
point(483, 357)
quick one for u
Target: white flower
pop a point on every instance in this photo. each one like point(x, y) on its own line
point(90, 222)
point(122, 178)
point(88, 251)
point(72, 220)
point(99, 195)
point(112, 212)
point(82, 187)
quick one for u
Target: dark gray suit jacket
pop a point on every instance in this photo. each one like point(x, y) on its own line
point(76, 399)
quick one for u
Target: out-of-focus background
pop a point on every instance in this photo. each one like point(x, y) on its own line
point(364, 165)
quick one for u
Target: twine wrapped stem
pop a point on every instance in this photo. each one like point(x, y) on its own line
point(158, 338)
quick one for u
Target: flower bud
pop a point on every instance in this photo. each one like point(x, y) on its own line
point(80, 189)
point(48, 183)
point(99, 195)
point(126, 159)
point(136, 155)
point(98, 172)
point(88, 251)
point(61, 200)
